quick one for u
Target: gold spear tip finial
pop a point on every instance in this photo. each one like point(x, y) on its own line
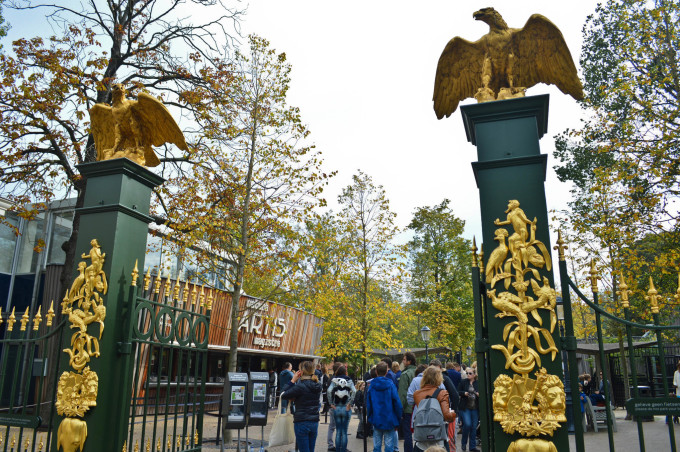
point(37, 319)
point(623, 292)
point(24, 320)
point(594, 276)
point(653, 297)
point(561, 245)
point(11, 320)
point(135, 273)
point(50, 314)
point(473, 248)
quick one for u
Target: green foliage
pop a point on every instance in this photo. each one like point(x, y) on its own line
point(623, 161)
point(3, 25)
point(440, 285)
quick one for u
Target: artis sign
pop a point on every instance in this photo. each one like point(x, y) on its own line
point(256, 320)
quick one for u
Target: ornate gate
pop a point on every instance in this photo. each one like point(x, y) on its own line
point(27, 388)
point(169, 345)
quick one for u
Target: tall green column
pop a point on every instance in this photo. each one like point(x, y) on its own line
point(528, 402)
point(115, 214)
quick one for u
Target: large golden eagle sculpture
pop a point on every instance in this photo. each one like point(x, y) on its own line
point(128, 128)
point(503, 63)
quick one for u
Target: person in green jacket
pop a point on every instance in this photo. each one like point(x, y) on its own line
point(409, 361)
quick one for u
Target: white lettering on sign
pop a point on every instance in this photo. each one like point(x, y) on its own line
point(266, 342)
point(256, 321)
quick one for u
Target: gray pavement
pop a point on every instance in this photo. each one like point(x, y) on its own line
point(625, 439)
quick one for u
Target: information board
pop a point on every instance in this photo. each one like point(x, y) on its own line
point(658, 406)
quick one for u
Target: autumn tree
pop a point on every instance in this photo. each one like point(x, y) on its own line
point(372, 314)
point(3, 25)
point(623, 161)
point(242, 206)
point(47, 85)
point(440, 284)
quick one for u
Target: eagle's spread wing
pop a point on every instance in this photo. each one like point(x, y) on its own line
point(459, 75)
point(543, 57)
point(157, 126)
point(103, 128)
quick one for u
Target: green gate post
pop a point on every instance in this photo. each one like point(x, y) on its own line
point(511, 167)
point(623, 293)
point(115, 213)
point(594, 277)
point(652, 297)
point(570, 345)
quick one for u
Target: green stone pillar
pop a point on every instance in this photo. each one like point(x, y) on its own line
point(115, 214)
point(510, 167)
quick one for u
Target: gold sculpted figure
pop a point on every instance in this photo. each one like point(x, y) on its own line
point(128, 128)
point(532, 445)
point(503, 63)
point(71, 435)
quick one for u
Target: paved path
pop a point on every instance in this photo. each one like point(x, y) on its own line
point(625, 439)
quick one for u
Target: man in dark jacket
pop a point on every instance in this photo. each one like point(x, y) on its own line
point(409, 362)
point(384, 409)
point(453, 371)
point(285, 377)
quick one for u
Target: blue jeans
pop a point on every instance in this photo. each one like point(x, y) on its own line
point(342, 415)
point(406, 429)
point(378, 440)
point(305, 435)
point(470, 420)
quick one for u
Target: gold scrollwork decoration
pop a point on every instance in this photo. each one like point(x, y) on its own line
point(77, 390)
point(530, 407)
point(534, 444)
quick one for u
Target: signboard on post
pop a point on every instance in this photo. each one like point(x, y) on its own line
point(661, 406)
point(259, 409)
point(236, 409)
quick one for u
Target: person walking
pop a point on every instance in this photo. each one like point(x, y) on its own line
point(430, 386)
point(468, 408)
point(384, 409)
point(676, 383)
point(305, 388)
point(409, 362)
point(330, 437)
point(285, 377)
point(341, 396)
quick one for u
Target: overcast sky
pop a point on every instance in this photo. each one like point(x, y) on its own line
point(363, 74)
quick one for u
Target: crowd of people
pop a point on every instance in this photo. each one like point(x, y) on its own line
point(425, 405)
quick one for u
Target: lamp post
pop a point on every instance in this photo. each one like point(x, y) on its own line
point(425, 334)
point(468, 351)
point(565, 369)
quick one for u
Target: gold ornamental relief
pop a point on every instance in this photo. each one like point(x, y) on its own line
point(76, 393)
point(77, 390)
point(521, 404)
point(528, 406)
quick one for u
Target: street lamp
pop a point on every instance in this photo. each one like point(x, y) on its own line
point(468, 351)
point(425, 334)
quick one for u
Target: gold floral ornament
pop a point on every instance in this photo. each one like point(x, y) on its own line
point(129, 128)
point(527, 406)
point(530, 407)
point(77, 390)
point(76, 393)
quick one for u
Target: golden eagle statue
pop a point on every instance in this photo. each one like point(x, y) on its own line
point(503, 63)
point(128, 128)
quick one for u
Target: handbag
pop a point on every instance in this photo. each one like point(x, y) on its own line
point(283, 431)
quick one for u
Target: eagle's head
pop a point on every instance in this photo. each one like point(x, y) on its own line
point(491, 17)
point(118, 91)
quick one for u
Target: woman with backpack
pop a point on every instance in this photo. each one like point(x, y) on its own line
point(429, 389)
point(305, 388)
point(341, 396)
point(468, 409)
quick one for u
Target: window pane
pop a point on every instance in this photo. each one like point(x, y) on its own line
point(61, 232)
point(8, 240)
point(32, 234)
